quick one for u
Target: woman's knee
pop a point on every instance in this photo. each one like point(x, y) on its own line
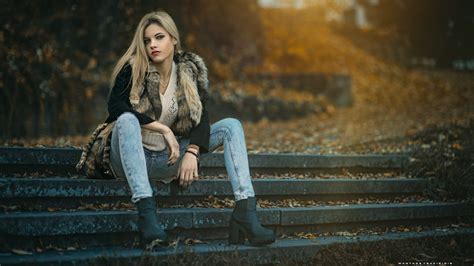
point(127, 118)
point(128, 123)
point(232, 123)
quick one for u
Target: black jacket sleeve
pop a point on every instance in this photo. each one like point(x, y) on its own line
point(119, 101)
point(200, 134)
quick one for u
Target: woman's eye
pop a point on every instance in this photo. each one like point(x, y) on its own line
point(147, 41)
point(160, 37)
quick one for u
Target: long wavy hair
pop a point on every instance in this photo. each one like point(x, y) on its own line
point(137, 49)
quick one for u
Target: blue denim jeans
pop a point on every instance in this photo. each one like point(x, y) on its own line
point(131, 161)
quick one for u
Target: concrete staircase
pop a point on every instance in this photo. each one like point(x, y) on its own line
point(51, 215)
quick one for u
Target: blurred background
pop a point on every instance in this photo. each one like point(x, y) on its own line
point(308, 76)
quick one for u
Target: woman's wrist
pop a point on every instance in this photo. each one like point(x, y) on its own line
point(165, 129)
point(157, 127)
point(193, 147)
point(193, 153)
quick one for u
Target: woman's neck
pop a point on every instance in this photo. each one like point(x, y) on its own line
point(164, 68)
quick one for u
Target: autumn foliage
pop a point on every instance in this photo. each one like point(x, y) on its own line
point(59, 57)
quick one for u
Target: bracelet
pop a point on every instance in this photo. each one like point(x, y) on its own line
point(193, 146)
point(197, 156)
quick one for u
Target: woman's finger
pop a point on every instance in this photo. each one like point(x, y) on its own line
point(173, 157)
point(181, 178)
point(184, 176)
point(190, 178)
point(176, 158)
point(196, 174)
point(173, 147)
point(185, 179)
point(181, 174)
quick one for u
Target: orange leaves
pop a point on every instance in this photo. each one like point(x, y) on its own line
point(457, 146)
point(391, 101)
point(306, 235)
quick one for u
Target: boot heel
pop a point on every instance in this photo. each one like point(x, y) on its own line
point(236, 234)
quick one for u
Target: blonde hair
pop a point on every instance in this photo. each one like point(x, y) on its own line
point(137, 49)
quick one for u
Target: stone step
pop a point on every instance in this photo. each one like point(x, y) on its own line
point(98, 228)
point(43, 193)
point(63, 161)
point(77, 222)
point(284, 251)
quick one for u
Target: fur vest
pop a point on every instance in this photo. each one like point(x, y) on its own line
point(192, 86)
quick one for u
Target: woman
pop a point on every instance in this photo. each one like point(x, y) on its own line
point(158, 126)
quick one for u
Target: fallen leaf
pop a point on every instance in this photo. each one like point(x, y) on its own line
point(452, 242)
point(21, 252)
point(426, 256)
point(154, 243)
point(192, 241)
point(457, 146)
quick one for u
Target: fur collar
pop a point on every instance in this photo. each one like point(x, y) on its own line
point(192, 88)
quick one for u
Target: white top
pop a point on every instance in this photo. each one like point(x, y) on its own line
point(168, 100)
point(153, 140)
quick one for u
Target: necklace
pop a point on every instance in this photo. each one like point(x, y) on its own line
point(163, 85)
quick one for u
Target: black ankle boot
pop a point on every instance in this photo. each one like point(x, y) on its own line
point(148, 225)
point(244, 224)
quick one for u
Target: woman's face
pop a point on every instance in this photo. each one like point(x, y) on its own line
point(158, 42)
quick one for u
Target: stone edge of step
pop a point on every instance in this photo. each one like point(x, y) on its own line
point(70, 156)
point(282, 248)
point(63, 187)
point(93, 222)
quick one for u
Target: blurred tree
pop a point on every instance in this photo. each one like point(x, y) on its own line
point(58, 55)
point(230, 32)
point(438, 29)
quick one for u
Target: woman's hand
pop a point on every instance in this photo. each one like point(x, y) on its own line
point(188, 169)
point(170, 139)
point(173, 146)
